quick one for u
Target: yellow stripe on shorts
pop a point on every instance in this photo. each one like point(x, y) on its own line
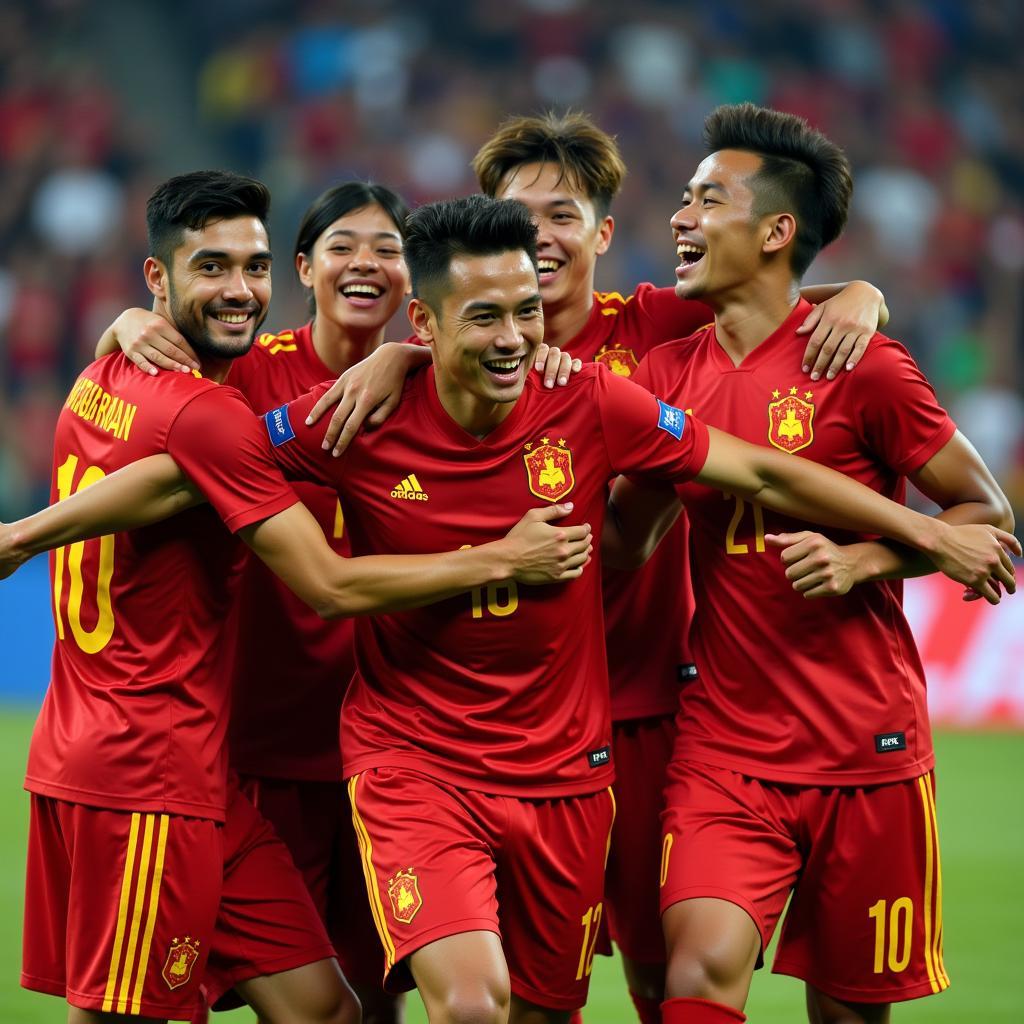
point(615, 809)
point(940, 966)
point(154, 903)
point(932, 892)
point(122, 915)
point(370, 875)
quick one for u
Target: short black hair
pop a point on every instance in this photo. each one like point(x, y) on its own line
point(472, 226)
point(802, 172)
point(188, 202)
point(338, 201)
point(587, 157)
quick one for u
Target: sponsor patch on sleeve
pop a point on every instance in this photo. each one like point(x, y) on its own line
point(671, 419)
point(279, 427)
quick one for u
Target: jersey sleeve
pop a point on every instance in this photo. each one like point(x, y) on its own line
point(222, 447)
point(645, 436)
point(666, 316)
point(296, 447)
point(898, 416)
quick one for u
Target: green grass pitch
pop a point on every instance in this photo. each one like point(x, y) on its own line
point(982, 830)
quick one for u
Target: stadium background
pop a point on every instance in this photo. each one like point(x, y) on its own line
point(101, 100)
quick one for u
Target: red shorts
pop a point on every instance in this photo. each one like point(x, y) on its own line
point(865, 920)
point(123, 911)
point(440, 860)
point(641, 751)
point(315, 822)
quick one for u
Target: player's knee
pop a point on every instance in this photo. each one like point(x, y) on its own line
point(706, 973)
point(476, 1005)
point(339, 1005)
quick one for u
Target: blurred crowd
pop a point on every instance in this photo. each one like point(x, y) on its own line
point(102, 99)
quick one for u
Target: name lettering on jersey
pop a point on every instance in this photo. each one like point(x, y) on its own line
point(274, 343)
point(791, 420)
point(279, 426)
point(404, 892)
point(671, 419)
point(621, 361)
point(890, 741)
point(549, 469)
point(180, 958)
point(599, 758)
point(409, 489)
point(104, 410)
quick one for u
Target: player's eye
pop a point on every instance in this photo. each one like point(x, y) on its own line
point(389, 254)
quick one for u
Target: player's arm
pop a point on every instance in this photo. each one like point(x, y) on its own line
point(844, 318)
point(145, 492)
point(971, 553)
point(149, 341)
point(955, 478)
point(535, 551)
point(640, 512)
point(371, 390)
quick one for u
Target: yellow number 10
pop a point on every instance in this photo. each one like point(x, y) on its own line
point(502, 598)
point(900, 932)
point(89, 640)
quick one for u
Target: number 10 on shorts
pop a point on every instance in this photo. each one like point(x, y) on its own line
point(893, 932)
point(591, 922)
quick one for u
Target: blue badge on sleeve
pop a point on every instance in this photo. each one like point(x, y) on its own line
point(279, 427)
point(671, 419)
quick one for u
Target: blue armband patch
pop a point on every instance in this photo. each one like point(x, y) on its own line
point(671, 420)
point(279, 427)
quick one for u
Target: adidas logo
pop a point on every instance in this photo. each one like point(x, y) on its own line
point(409, 490)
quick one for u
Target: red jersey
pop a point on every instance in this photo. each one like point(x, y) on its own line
point(504, 688)
point(136, 712)
point(645, 653)
point(827, 692)
point(291, 667)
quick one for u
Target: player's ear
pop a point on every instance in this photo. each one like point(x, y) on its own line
point(780, 231)
point(605, 230)
point(422, 319)
point(304, 269)
point(156, 275)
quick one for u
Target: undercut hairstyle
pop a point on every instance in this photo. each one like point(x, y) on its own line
point(338, 201)
point(587, 157)
point(802, 172)
point(189, 202)
point(477, 225)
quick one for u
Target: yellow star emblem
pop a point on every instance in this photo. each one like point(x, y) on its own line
point(792, 391)
point(775, 393)
point(808, 395)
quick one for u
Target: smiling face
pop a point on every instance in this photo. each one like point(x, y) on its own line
point(217, 288)
point(719, 239)
point(356, 270)
point(484, 336)
point(570, 233)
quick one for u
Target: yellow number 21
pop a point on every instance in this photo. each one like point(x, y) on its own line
point(734, 547)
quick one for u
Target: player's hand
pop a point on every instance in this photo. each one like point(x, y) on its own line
point(816, 566)
point(151, 342)
point(840, 329)
point(555, 365)
point(367, 392)
point(543, 552)
point(11, 557)
point(978, 555)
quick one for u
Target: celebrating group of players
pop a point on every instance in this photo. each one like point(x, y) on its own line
point(534, 753)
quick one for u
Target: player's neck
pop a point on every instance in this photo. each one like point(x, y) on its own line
point(749, 315)
point(337, 349)
point(214, 368)
point(476, 417)
point(563, 321)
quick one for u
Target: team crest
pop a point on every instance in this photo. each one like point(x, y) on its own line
point(790, 421)
point(620, 361)
point(180, 959)
point(549, 469)
point(404, 890)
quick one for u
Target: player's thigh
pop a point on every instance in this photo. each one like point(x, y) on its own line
point(728, 838)
point(266, 922)
point(642, 750)
point(315, 993)
point(428, 862)
point(463, 977)
point(865, 922)
point(120, 907)
point(551, 895)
